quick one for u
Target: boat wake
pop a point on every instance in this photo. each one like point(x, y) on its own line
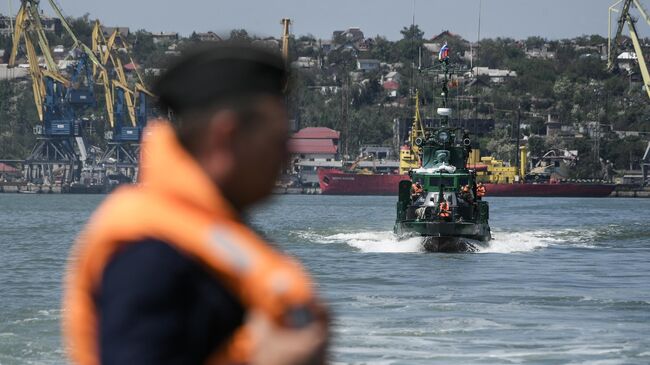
point(374, 241)
point(502, 241)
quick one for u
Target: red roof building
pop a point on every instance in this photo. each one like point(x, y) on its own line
point(317, 133)
point(312, 146)
point(317, 142)
point(130, 67)
point(391, 85)
point(7, 168)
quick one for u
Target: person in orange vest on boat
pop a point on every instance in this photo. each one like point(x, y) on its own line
point(416, 190)
point(480, 190)
point(444, 212)
point(168, 272)
point(466, 194)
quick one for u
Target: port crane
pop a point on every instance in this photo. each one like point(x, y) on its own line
point(614, 46)
point(614, 42)
point(129, 104)
point(59, 101)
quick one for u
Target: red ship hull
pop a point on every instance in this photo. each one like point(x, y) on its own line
point(336, 182)
point(569, 190)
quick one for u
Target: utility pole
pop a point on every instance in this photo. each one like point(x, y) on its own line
point(517, 161)
point(345, 101)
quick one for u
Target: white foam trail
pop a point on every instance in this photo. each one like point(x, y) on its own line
point(502, 242)
point(509, 242)
point(377, 241)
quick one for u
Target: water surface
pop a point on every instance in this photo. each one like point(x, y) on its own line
point(566, 281)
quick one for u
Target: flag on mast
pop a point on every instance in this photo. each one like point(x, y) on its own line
point(444, 53)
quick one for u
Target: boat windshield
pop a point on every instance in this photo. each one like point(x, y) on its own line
point(441, 180)
point(431, 199)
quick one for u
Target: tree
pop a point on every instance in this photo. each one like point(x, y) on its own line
point(535, 42)
point(409, 46)
point(240, 35)
point(537, 146)
point(383, 49)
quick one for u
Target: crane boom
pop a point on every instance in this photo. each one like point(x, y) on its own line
point(68, 28)
point(639, 54)
point(642, 10)
point(28, 28)
point(613, 44)
point(97, 65)
point(106, 51)
point(626, 17)
point(286, 23)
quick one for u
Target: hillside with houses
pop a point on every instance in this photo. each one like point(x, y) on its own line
point(549, 94)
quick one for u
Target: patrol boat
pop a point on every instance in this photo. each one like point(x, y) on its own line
point(444, 209)
point(461, 225)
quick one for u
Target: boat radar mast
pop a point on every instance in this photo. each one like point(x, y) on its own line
point(444, 111)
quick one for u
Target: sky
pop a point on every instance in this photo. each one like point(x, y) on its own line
point(553, 19)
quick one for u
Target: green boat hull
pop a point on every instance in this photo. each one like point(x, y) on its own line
point(446, 236)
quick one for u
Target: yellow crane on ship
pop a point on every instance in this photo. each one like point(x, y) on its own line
point(614, 42)
point(409, 155)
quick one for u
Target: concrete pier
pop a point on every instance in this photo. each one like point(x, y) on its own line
point(625, 191)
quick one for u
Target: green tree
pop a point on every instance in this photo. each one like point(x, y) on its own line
point(383, 49)
point(537, 146)
point(240, 35)
point(409, 46)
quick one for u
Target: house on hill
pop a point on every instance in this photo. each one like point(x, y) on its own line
point(367, 64)
point(123, 31)
point(447, 36)
point(164, 37)
point(208, 37)
point(496, 76)
point(391, 87)
point(353, 34)
point(540, 53)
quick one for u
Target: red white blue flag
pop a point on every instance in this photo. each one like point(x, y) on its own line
point(444, 53)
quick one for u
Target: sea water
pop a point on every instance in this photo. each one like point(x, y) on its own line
point(565, 281)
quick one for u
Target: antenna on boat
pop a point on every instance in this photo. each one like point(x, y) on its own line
point(478, 50)
point(413, 59)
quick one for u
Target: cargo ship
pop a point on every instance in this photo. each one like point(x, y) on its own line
point(337, 182)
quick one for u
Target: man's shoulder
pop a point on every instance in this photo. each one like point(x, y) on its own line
point(148, 255)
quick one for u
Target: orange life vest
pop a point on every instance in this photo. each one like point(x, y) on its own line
point(444, 209)
point(184, 209)
point(480, 191)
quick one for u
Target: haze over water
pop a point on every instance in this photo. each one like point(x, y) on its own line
point(566, 281)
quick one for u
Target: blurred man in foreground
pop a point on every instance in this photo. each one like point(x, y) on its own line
point(166, 272)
